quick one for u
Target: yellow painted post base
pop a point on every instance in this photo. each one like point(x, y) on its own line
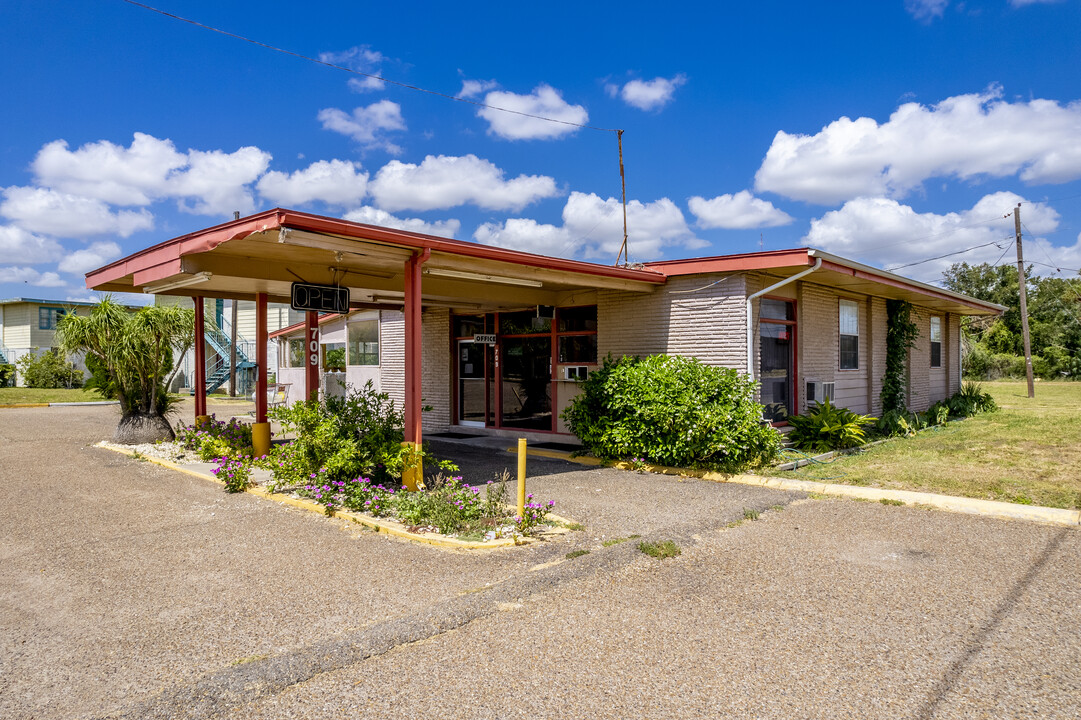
point(260, 438)
point(413, 469)
point(201, 420)
point(521, 477)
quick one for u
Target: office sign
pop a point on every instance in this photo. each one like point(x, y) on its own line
point(484, 339)
point(320, 298)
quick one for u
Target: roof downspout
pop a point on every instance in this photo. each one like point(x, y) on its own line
point(750, 320)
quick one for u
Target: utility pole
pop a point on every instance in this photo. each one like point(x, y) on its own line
point(1024, 301)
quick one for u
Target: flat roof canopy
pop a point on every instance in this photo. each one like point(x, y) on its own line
point(835, 272)
point(267, 252)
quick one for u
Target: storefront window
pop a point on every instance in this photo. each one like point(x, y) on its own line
point(578, 349)
point(523, 323)
point(364, 342)
point(578, 319)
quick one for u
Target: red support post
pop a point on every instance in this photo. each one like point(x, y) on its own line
point(199, 372)
point(413, 472)
point(261, 340)
point(311, 347)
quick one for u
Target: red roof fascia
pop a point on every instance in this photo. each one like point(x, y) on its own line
point(733, 263)
point(318, 223)
point(210, 238)
point(171, 250)
point(300, 325)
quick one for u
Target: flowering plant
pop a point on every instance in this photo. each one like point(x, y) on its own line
point(234, 472)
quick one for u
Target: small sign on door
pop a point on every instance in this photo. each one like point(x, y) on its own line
point(484, 339)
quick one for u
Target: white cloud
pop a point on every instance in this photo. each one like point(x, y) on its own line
point(648, 94)
point(335, 182)
point(926, 10)
point(742, 211)
point(217, 182)
point(54, 213)
point(30, 276)
point(473, 88)
point(205, 182)
point(1023, 3)
point(375, 216)
point(593, 228)
point(966, 136)
point(544, 101)
point(108, 172)
point(885, 233)
point(91, 258)
point(366, 125)
point(441, 182)
point(362, 59)
point(18, 245)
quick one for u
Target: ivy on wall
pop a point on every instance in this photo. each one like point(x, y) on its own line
point(901, 334)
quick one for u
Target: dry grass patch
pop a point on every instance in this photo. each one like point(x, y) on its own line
point(1029, 451)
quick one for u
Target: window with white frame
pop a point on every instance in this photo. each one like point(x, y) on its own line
point(364, 342)
point(936, 342)
point(296, 354)
point(849, 314)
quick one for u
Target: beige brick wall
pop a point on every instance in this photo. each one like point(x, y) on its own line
point(708, 323)
point(919, 363)
point(436, 370)
point(816, 312)
point(877, 357)
point(392, 355)
point(954, 342)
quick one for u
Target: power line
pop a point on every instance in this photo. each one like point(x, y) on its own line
point(317, 61)
point(939, 257)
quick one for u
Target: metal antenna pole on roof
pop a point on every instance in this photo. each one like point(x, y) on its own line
point(623, 182)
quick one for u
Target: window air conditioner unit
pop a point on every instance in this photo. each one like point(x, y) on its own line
point(575, 372)
point(819, 391)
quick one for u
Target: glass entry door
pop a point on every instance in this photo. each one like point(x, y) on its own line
point(777, 347)
point(527, 383)
point(472, 405)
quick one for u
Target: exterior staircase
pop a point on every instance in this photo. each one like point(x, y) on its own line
point(218, 370)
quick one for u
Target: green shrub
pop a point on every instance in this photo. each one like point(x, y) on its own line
point(48, 370)
point(894, 424)
point(938, 413)
point(7, 375)
point(828, 427)
point(671, 410)
point(971, 400)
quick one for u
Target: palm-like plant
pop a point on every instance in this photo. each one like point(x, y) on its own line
point(131, 354)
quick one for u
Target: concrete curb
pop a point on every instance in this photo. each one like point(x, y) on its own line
point(59, 404)
point(970, 506)
point(379, 525)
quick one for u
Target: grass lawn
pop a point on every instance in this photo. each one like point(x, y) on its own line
point(20, 395)
point(1029, 451)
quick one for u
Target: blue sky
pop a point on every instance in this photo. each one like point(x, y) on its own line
point(889, 132)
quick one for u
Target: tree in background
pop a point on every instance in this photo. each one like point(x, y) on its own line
point(130, 355)
point(49, 369)
point(995, 344)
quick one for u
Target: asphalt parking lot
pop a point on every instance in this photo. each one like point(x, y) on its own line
point(129, 590)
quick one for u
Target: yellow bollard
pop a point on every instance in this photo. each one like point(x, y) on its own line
point(202, 420)
point(521, 478)
point(260, 438)
point(413, 469)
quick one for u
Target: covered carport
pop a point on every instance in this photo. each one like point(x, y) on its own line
point(260, 257)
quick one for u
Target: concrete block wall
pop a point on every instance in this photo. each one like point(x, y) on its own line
point(708, 323)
